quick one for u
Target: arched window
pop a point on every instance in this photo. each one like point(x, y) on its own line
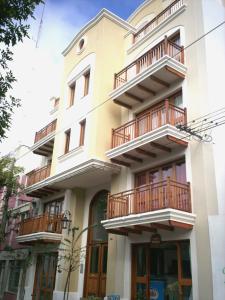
point(98, 209)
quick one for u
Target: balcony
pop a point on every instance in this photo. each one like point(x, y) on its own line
point(44, 140)
point(148, 136)
point(161, 18)
point(44, 228)
point(160, 205)
point(157, 69)
point(38, 175)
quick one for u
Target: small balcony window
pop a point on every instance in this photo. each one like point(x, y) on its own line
point(67, 141)
point(72, 94)
point(86, 82)
point(82, 132)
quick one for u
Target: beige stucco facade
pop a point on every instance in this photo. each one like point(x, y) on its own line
point(104, 47)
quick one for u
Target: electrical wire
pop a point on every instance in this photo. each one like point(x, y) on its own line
point(169, 58)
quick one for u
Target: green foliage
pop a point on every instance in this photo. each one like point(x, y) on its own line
point(9, 174)
point(13, 15)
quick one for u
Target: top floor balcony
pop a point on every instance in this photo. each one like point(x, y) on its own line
point(155, 70)
point(161, 18)
point(44, 139)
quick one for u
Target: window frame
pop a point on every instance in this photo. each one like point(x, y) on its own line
point(86, 82)
point(67, 141)
point(72, 92)
point(82, 132)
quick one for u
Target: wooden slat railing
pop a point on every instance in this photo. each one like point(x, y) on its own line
point(45, 131)
point(42, 223)
point(167, 12)
point(160, 115)
point(151, 197)
point(165, 47)
point(38, 175)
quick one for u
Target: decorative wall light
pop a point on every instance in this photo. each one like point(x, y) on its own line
point(66, 220)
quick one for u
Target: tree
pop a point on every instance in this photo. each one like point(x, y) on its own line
point(71, 256)
point(13, 15)
point(9, 174)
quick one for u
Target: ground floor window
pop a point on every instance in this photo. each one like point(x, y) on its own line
point(161, 271)
point(14, 275)
point(2, 272)
point(44, 281)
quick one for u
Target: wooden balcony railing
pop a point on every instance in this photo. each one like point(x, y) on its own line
point(151, 197)
point(45, 131)
point(165, 47)
point(165, 113)
point(38, 175)
point(42, 223)
point(167, 12)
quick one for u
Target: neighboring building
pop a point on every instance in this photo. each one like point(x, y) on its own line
point(13, 254)
point(158, 194)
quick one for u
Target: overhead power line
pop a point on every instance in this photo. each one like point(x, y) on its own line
point(169, 58)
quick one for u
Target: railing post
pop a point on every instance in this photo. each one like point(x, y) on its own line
point(108, 207)
point(112, 139)
point(115, 81)
point(137, 66)
point(185, 116)
point(182, 55)
point(167, 111)
point(136, 128)
point(189, 198)
point(169, 198)
point(166, 45)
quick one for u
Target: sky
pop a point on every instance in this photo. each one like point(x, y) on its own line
point(37, 65)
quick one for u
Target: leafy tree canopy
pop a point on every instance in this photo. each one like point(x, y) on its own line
point(9, 174)
point(13, 28)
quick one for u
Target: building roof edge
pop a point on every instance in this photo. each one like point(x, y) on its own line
point(103, 13)
point(138, 9)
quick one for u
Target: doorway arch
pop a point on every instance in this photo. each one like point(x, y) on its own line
point(97, 247)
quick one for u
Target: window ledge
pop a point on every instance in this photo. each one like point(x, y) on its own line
point(72, 152)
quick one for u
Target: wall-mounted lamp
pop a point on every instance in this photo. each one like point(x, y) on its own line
point(66, 220)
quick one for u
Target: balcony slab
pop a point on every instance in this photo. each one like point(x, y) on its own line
point(83, 175)
point(46, 237)
point(156, 142)
point(159, 75)
point(166, 217)
point(44, 146)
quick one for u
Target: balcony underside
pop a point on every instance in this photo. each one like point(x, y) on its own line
point(85, 175)
point(45, 146)
point(145, 85)
point(164, 219)
point(159, 142)
point(39, 237)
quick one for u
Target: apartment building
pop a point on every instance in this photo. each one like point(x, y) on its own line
point(113, 154)
point(13, 254)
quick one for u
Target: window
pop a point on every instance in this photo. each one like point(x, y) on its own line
point(82, 132)
point(72, 93)
point(54, 207)
point(56, 102)
point(81, 44)
point(67, 141)
point(86, 82)
point(14, 276)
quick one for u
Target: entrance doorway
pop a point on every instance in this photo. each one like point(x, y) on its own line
point(97, 251)
point(161, 271)
point(44, 281)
